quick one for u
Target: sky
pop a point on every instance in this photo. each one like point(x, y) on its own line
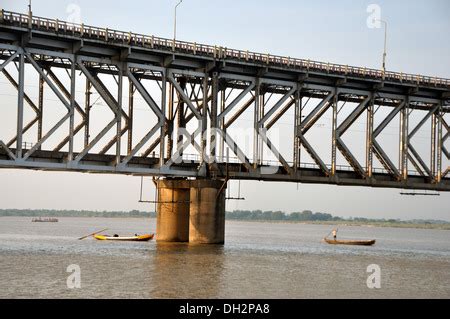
point(328, 31)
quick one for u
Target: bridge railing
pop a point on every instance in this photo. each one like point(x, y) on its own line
point(217, 52)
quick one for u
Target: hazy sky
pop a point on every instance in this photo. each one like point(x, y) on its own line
point(334, 31)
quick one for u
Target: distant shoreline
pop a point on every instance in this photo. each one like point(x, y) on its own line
point(335, 223)
point(404, 225)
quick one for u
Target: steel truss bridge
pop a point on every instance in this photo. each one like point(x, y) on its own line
point(199, 92)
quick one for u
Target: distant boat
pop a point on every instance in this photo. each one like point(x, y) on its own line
point(350, 242)
point(118, 238)
point(44, 220)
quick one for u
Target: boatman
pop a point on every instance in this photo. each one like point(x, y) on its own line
point(334, 232)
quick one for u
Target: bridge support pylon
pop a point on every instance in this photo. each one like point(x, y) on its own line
point(172, 224)
point(207, 212)
point(191, 211)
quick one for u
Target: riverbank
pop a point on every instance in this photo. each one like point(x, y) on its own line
point(405, 225)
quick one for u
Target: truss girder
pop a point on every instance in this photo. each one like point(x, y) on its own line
point(198, 91)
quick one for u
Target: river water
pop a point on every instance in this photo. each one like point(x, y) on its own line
point(259, 260)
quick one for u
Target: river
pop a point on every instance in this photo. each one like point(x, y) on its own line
point(259, 260)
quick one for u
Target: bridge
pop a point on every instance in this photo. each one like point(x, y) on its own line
point(194, 95)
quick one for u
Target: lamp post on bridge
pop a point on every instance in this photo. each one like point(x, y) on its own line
point(30, 14)
point(385, 45)
point(174, 24)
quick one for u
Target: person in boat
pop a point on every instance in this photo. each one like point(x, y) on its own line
point(334, 233)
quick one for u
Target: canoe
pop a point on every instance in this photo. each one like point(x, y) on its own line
point(350, 242)
point(132, 238)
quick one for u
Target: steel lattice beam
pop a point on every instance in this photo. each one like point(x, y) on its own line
point(216, 94)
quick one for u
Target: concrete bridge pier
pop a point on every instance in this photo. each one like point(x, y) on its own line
point(172, 224)
point(207, 212)
point(191, 211)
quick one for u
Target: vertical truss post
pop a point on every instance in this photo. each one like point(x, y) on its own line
point(214, 124)
point(40, 108)
point(439, 145)
point(404, 132)
point(334, 134)
point(170, 121)
point(162, 143)
point(181, 122)
point(119, 113)
point(20, 105)
point(72, 108)
point(433, 146)
point(130, 116)
point(204, 113)
point(369, 137)
point(298, 122)
point(87, 110)
point(222, 125)
point(262, 105)
point(256, 120)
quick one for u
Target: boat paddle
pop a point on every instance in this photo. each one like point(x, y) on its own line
point(93, 234)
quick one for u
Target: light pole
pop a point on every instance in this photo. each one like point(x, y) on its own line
point(385, 45)
point(30, 14)
point(175, 24)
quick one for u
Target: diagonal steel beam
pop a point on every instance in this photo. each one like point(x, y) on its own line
point(24, 130)
point(343, 128)
point(183, 95)
point(230, 107)
point(48, 81)
point(379, 153)
point(144, 140)
point(315, 114)
point(353, 116)
point(46, 136)
point(447, 172)
point(384, 159)
point(421, 123)
point(200, 108)
point(239, 112)
point(95, 141)
point(11, 58)
point(414, 153)
point(113, 141)
point(419, 159)
point(236, 150)
point(25, 96)
point(8, 151)
point(103, 91)
point(67, 138)
point(64, 91)
point(388, 119)
point(279, 115)
point(146, 96)
point(314, 155)
point(416, 166)
point(275, 151)
point(349, 157)
point(277, 105)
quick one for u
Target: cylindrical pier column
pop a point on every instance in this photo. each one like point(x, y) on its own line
point(207, 212)
point(173, 211)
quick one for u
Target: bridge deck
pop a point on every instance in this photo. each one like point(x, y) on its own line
point(199, 78)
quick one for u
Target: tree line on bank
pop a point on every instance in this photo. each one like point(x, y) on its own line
point(244, 215)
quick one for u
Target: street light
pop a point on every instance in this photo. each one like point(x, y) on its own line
point(385, 44)
point(175, 24)
point(30, 14)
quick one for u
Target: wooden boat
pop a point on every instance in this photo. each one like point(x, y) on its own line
point(132, 238)
point(350, 242)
